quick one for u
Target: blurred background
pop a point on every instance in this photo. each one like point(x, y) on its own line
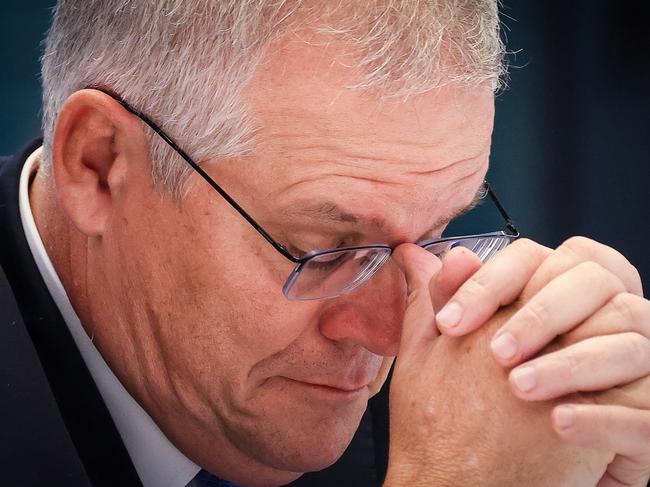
point(572, 136)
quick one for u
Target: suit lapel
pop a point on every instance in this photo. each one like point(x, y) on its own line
point(82, 409)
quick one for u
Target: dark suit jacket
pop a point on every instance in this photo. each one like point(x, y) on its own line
point(54, 427)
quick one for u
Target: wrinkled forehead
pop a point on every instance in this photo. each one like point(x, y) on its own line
point(302, 90)
point(316, 134)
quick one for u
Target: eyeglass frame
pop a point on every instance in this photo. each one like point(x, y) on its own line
point(303, 260)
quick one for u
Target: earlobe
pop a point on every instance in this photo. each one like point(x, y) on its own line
point(89, 152)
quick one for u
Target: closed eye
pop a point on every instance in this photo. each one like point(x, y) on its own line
point(329, 262)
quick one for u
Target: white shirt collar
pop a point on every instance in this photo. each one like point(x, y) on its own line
point(157, 461)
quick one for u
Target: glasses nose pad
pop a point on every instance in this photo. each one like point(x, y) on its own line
point(387, 283)
point(375, 263)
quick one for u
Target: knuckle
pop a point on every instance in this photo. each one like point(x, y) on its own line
point(537, 313)
point(571, 253)
point(626, 271)
point(579, 243)
point(583, 248)
point(643, 427)
point(599, 277)
point(630, 307)
point(635, 278)
point(637, 351)
point(476, 287)
point(644, 430)
point(523, 243)
point(526, 246)
point(572, 366)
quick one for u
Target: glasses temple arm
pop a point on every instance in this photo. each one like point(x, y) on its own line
point(279, 247)
point(510, 225)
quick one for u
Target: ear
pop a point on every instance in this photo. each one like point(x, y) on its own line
point(94, 140)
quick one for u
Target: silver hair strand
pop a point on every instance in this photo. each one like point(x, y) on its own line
point(186, 62)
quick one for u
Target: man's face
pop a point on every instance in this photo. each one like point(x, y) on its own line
point(215, 344)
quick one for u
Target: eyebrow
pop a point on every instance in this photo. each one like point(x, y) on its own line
point(330, 211)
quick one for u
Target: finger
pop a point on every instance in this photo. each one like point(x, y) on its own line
point(622, 430)
point(618, 470)
point(581, 249)
point(419, 267)
point(624, 312)
point(562, 304)
point(458, 265)
point(633, 395)
point(497, 283)
point(595, 364)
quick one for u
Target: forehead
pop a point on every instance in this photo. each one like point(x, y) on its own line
point(304, 85)
point(316, 134)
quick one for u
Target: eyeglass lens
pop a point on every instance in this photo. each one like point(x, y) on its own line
point(484, 247)
point(334, 273)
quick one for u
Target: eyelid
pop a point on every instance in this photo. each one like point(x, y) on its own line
point(335, 242)
point(300, 252)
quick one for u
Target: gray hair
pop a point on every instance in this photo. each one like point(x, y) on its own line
point(186, 62)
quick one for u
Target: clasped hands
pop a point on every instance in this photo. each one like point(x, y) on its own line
point(573, 332)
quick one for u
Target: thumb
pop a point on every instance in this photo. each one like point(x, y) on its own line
point(419, 267)
point(458, 265)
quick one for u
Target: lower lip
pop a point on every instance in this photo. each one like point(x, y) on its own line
point(331, 393)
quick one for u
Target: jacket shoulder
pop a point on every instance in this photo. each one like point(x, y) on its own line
point(56, 429)
point(33, 432)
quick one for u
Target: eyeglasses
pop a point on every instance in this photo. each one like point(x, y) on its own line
point(329, 273)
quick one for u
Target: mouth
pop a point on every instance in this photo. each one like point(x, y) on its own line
point(330, 391)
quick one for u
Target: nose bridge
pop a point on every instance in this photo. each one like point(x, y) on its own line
point(372, 315)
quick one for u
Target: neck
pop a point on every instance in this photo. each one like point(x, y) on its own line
point(65, 245)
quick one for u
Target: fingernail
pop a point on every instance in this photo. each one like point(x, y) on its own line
point(504, 346)
point(524, 378)
point(449, 316)
point(564, 416)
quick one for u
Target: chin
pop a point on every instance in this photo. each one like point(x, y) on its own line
point(313, 456)
point(299, 444)
point(309, 456)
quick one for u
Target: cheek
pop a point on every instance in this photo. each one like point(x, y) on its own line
point(229, 308)
point(225, 323)
point(259, 318)
point(217, 295)
point(383, 300)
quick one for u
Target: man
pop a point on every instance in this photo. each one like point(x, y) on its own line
point(218, 340)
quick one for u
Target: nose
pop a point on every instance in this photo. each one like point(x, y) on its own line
point(371, 316)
